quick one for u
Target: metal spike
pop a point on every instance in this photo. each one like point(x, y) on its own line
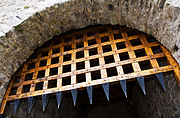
point(123, 86)
point(90, 92)
point(106, 90)
point(44, 101)
point(59, 98)
point(16, 105)
point(74, 95)
point(160, 78)
point(141, 84)
point(31, 101)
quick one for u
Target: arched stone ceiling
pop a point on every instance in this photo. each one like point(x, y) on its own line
point(159, 18)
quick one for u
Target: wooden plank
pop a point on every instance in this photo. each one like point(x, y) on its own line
point(116, 56)
point(86, 55)
point(101, 60)
point(33, 85)
point(149, 52)
point(59, 80)
point(47, 71)
point(73, 64)
point(20, 87)
point(131, 54)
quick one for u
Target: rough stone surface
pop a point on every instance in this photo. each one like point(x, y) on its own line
point(14, 12)
point(157, 103)
point(160, 18)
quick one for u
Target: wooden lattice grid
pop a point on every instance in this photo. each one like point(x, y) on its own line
point(90, 57)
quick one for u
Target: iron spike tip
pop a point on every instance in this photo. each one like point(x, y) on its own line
point(141, 84)
point(160, 78)
point(164, 88)
point(106, 90)
point(59, 98)
point(43, 109)
point(144, 92)
point(16, 105)
point(74, 103)
point(108, 99)
point(44, 101)
point(90, 102)
point(74, 95)
point(123, 86)
point(125, 94)
point(90, 92)
point(58, 106)
point(31, 102)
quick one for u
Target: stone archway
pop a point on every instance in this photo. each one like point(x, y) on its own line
point(158, 18)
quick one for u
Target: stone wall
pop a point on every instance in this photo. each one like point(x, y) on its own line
point(14, 12)
point(159, 18)
point(157, 103)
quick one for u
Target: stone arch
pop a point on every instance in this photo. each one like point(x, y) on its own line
point(158, 18)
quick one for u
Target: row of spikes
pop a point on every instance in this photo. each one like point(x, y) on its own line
point(74, 92)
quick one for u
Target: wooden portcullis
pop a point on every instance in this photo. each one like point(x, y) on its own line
point(93, 56)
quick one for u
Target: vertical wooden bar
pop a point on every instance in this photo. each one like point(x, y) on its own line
point(116, 56)
point(86, 55)
point(47, 71)
point(149, 52)
point(20, 88)
point(131, 53)
point(73, 57)
point(32, 88)
point(59, 79)
point(101, 59)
